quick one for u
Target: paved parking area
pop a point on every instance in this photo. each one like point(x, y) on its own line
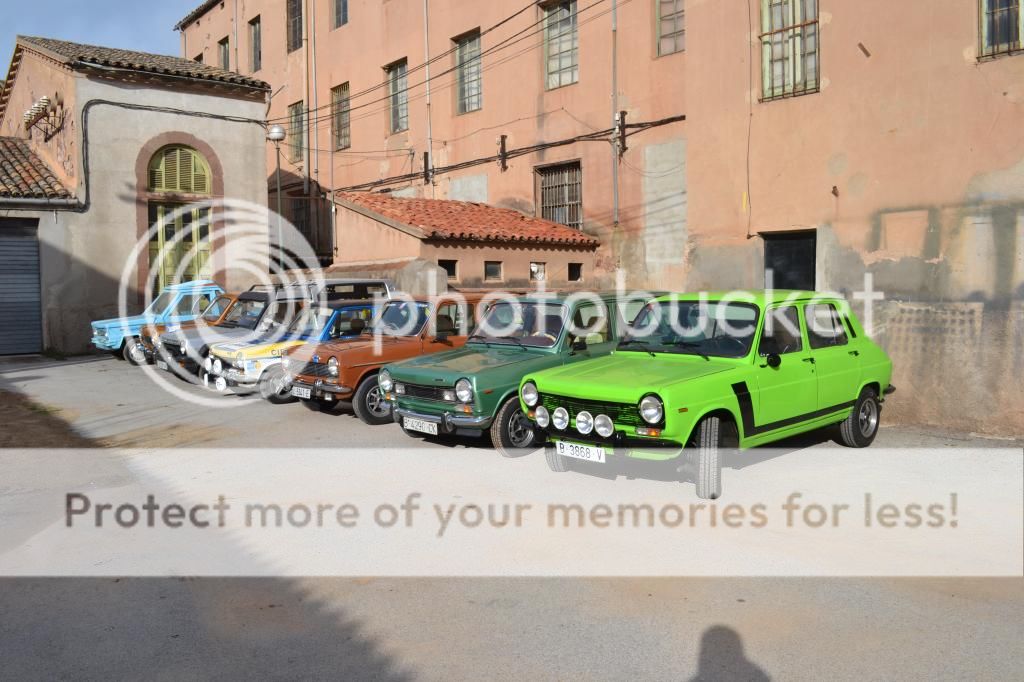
point(444, 628)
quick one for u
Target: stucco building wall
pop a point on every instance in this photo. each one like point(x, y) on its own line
point(515, 103)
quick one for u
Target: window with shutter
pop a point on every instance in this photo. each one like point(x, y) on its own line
point(181, 169)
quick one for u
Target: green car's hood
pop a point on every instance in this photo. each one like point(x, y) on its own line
point(490, 366)
point(627, 376)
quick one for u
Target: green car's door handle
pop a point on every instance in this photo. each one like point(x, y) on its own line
point(855, 353)
point(810, 360)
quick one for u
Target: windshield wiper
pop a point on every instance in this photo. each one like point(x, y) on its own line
point(692, 346)
point(642, 344)
point(512, 338)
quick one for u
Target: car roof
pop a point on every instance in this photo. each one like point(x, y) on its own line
point(758, 296)
point(563, 296)
point(195, 284)
point(254, 296)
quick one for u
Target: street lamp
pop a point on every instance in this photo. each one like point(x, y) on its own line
point(276, 134)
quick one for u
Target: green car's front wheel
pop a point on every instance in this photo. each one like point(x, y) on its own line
point(712, 438)
point(511, 432)
point(556, 462)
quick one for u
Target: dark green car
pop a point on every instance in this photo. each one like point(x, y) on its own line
point(475, 389)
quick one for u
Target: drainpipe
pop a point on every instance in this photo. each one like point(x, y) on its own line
point(314, 147)
point(305, 77)
point(234, 25)
point(615, 115)
point(430, 133)
point(37, 204)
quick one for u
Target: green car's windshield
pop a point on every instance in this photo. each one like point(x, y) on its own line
point(401, 318)
point(245, 314)
point(160, 303)
point(705, 328)
point(520, 323)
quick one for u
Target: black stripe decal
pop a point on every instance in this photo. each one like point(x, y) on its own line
point(747, 413)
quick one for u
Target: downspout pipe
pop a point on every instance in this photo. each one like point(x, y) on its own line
point(430, 132)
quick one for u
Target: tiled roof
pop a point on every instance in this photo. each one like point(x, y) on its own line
point(23, 175)
point(461, 220)
point(196, 13)
point(143, 62)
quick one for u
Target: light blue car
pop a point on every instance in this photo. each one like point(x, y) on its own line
point(175, 304)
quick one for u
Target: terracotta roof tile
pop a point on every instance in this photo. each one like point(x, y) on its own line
point(461, 220)
point(141, 61)
point(23, 175)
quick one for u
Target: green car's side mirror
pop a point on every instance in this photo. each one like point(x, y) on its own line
point(773, 360)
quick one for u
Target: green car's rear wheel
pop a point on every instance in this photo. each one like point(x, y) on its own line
point(860, 428)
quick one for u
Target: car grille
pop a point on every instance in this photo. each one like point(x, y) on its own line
point(172, 348)
point(425, 392)
point(625, 414)
point(314, 369)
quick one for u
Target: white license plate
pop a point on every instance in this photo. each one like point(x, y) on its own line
point(160, 364)
point(300, 392)
point(590, 453)
point(420, 425)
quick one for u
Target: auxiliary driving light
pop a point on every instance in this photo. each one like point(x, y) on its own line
point(560, 418)
point(602, 424)
point(542, 417)
point(584, 422)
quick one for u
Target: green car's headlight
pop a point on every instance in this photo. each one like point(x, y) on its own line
point(384, 381)
point(464, 391)
point(530, 394)
point(651, 409)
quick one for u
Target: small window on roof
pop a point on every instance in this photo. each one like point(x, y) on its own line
point(450, 267)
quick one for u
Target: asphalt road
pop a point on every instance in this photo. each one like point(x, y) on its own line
point(445, 628)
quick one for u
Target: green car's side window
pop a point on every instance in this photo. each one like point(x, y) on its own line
point(824, 328)
point(781, 332)
point(591, 324)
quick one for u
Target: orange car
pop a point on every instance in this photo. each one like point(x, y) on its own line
point(346, 369)
point(213, 315)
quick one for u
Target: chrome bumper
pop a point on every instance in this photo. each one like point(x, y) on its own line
point(321, 387)
point(447, 422)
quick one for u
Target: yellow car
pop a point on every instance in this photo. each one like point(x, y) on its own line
point(256, 365)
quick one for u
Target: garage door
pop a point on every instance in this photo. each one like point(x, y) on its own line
point(21, 321)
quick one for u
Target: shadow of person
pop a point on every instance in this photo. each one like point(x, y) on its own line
point(721, 658)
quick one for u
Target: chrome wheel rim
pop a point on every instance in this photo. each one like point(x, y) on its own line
point(137, 354)
point(519, 432)
point(867, 418)
point(376, 404)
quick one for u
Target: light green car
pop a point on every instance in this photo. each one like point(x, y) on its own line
point(702, 373)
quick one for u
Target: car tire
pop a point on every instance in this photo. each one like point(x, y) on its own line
point(860, 428)
point(369, 405)
point(712, 437)
point(272, 388)
point(556, 462)
point(511, 433)
point(133, 352)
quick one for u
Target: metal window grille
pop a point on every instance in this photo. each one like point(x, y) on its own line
point(224, 53)
point(296, 130)
point(340, 13)
point(1002, 25)
point(561, 194)
point(255, 45)
point(789, 47)
point(561, 44)
point(671, 29)
point(399, 95)
point(300, 215)
point(341, 117)
point(470, 79)
point(293, 24)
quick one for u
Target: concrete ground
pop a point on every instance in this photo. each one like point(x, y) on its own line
point(444, 628)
